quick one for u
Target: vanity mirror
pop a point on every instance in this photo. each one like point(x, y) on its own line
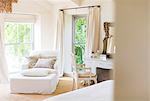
point(108, 42)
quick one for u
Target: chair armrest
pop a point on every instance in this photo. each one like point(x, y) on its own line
point(88, 69)
point(85, 70)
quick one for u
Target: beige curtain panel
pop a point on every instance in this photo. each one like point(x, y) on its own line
point(93, 31)
point(60, 42)
point(3, 63)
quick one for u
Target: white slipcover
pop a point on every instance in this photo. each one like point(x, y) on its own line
point(40, 85)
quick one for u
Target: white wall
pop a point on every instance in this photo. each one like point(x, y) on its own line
point(2, 27)
point(47, 30)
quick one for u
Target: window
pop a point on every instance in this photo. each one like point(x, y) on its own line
point(18, 43)
point(79, 37)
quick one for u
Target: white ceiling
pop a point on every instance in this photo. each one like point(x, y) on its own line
point(48, 3)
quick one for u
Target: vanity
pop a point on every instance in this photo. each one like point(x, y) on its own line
point(103, 68)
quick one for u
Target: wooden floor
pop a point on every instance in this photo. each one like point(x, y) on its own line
point(65, 85)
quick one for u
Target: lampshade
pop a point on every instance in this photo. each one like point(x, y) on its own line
point(6, 5)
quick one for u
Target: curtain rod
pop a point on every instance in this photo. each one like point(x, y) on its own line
point(79, 7)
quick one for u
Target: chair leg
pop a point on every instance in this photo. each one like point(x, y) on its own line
point(76, 83)
point(88, 82)
point(95, 81)
point(73, 84)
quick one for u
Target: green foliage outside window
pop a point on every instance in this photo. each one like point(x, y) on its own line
point(80, 38)
point(18, 41)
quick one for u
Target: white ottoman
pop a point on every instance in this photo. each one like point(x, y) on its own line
point(40, 85)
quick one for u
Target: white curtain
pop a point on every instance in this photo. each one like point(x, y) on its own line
point(60, 42)
point(3, 64)
point(93, 31)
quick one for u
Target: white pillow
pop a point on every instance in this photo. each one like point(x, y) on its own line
point(37, 72)
point(43, 63)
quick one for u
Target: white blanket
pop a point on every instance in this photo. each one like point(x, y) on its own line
point(98, 92)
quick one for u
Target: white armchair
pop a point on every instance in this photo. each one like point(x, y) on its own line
point(43, 85)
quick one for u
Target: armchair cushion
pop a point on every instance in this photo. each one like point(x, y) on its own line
point(37, 72)
point(32, 59)
point(45, 63)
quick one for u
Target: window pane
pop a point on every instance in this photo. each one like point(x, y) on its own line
point(12, 58)
point(80, 24)
point(15, 55)
point(24, 31)
point(18, 43)
point(10, 33)
point(24, 50)
point(28, 36)
point(80, 30)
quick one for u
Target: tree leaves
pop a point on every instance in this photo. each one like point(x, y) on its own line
point(80, 38)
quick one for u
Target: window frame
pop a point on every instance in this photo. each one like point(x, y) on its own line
point(18, 42)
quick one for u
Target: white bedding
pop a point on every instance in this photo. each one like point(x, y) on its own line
point(41, 85)
point(98, 92)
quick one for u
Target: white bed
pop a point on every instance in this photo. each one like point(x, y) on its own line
point(41, 85)
point(98, 92)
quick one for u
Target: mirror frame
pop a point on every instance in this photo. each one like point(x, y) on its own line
point(107, 26)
